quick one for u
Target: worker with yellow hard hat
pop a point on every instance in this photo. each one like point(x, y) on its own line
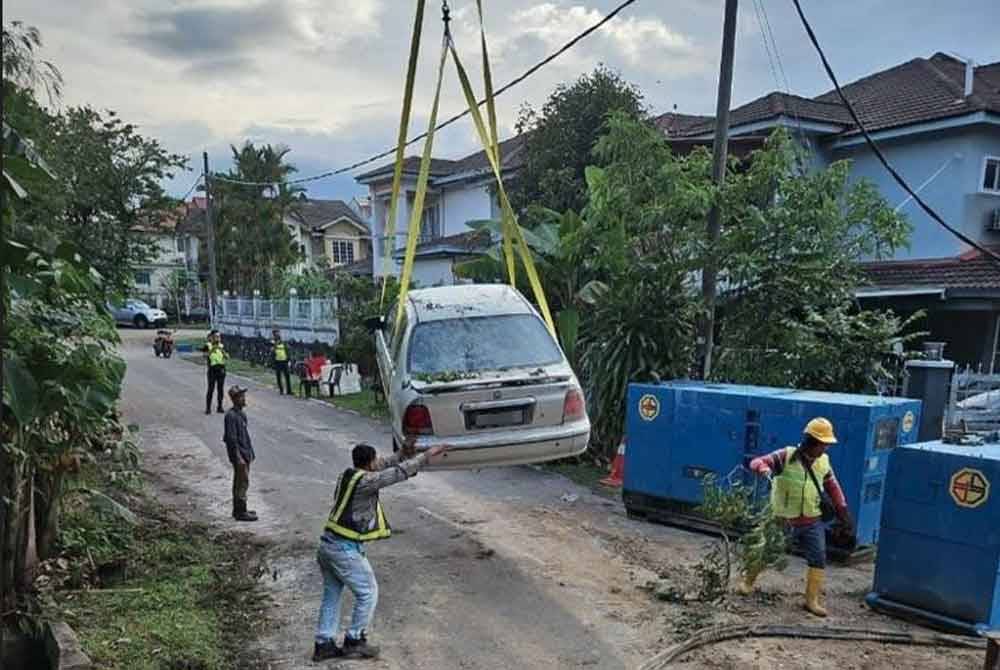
point(805, 493)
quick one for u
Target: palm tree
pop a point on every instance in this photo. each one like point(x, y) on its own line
point(253, 243)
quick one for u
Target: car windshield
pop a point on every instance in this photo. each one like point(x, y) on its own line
point(138, 304)
point(481, 343)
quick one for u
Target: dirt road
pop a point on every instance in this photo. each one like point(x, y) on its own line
point(504, 568)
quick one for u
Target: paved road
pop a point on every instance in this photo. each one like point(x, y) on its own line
point(490, 569)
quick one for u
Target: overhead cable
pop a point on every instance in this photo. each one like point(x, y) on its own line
point(878, 151)
point(447, 122)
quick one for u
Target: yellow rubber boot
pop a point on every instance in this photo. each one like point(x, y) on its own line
point(745, 586)
point(814, 591)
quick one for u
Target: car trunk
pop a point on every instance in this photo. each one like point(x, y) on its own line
point(495, 402)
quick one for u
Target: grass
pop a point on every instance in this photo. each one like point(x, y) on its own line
point(176, 598)
point(363, 403)
point(584, 473)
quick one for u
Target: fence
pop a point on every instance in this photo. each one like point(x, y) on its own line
point(974, 401)
point(303, 320)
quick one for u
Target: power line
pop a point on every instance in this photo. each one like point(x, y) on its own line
point(447, 122)
point(191, 190)
point(877, 151)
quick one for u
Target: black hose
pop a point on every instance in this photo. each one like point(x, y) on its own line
point(723, 633)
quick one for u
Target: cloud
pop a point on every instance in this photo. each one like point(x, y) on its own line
point(627, 40)
point(210, 30)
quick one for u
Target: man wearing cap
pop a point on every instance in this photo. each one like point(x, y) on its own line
point(240, 450)
point(796, 475)
point(355, 519)
point(279, 355)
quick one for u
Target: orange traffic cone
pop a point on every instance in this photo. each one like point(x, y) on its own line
point(617, 476)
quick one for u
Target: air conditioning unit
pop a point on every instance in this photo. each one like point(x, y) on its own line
point(993, 220)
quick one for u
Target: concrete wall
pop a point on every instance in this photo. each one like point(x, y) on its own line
point(462, 203)
point(429, 272)
point(954, 193)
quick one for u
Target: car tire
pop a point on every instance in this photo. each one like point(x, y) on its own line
point(141, 321)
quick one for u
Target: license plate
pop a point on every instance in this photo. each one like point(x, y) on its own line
point(498, 419)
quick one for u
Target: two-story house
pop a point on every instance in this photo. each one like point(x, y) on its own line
point(328, 233)
point(459, 192)
point(937, 120)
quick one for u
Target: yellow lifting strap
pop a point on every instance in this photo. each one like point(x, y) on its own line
point(417, 213)
point(404, 126)
point(513, 237)
point(512, 234)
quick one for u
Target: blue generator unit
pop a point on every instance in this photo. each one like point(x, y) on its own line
point(939, 547)
point(680, 432)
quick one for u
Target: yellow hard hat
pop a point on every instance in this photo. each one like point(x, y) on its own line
point(822, 430)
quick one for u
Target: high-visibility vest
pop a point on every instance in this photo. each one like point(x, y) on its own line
point(792, 492)
point(343, 524)
point(216, 354)
point(280, 352)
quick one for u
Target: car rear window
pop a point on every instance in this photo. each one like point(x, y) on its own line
point(481, 343)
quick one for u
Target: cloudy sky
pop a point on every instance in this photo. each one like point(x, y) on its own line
point(325, 76)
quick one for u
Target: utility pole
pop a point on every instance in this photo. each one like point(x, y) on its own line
point(720, 149)
point(210, 229)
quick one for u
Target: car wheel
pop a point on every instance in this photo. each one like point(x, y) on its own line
point(141, 322)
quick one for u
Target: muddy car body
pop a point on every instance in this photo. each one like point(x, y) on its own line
point(475, 367)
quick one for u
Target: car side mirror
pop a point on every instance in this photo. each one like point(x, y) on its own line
point(374, 323)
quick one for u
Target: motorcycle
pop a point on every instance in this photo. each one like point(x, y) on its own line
point(163, 345)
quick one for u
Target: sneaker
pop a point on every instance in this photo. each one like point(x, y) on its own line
point(359, 648)
point(324, 651)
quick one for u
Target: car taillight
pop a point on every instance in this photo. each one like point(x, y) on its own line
point(417, 421)
point(573, 406)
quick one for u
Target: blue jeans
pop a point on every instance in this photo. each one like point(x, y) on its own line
point(811, 541)
point(343, 562)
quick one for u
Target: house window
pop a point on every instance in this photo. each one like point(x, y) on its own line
point(991, 174)
point(181, 246)
point(342, 251)
point(430, 226)
point(142, 278)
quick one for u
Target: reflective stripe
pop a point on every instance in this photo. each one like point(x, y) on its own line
point(793, 493)
point(333, 524)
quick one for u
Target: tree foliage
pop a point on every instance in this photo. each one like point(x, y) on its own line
point(788, 261)
point(61, 372)
point(253, 247)
point(559, 139)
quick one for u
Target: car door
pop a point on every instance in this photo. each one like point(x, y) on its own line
point(383, 338)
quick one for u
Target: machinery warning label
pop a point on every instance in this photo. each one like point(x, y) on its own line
point(969, 488)
point(649, 407)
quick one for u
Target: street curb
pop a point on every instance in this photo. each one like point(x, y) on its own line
point(62, 648)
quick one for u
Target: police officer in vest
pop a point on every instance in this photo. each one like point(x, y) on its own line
point(357, 517)
point(217, 356)
point(279, 356)
point(797, 475)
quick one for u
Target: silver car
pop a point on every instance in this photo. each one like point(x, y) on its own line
point(137, 313)
point(475, 367)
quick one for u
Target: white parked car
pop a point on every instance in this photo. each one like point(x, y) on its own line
point(474, 367)
point(139, 314)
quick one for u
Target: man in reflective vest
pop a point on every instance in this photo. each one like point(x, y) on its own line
point(796, 498)
point(279, 354)
point(216, 354)
point(357, 517)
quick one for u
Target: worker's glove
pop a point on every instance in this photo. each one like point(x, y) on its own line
point(846, 523)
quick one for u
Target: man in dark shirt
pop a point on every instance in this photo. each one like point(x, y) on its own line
point(240, 450)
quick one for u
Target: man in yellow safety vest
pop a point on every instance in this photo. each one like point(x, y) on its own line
point(216, 354)
point(796, 475)
point(356, 518)
point(279, 355)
